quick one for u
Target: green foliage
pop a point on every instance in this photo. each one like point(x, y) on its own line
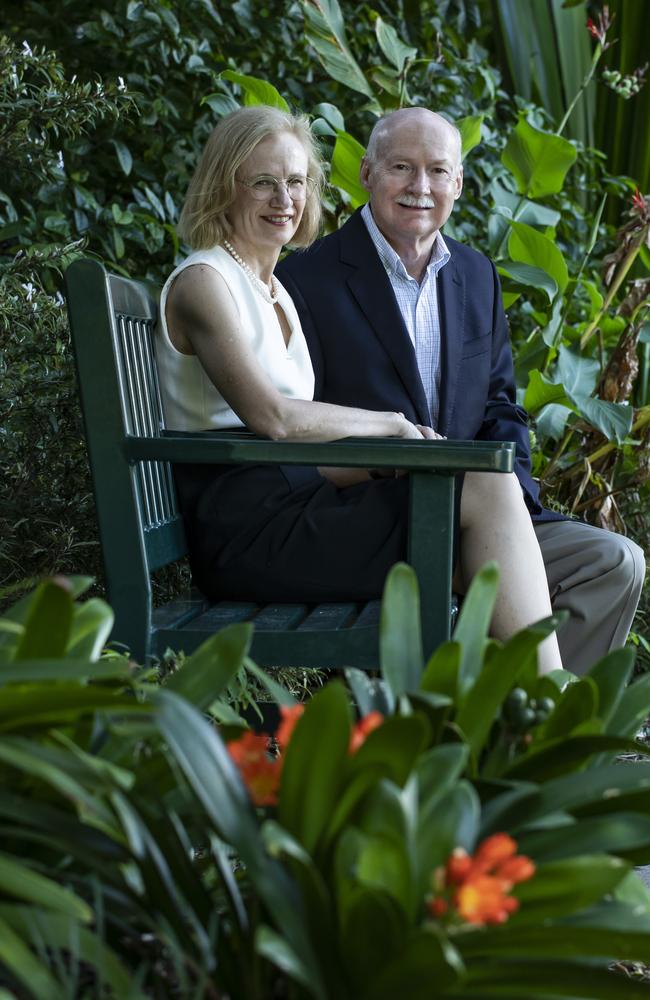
point(131, 846)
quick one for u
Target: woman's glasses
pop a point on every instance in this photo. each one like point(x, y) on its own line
point(265, 187)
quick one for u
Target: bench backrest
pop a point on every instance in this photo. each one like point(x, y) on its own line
point(112, 321)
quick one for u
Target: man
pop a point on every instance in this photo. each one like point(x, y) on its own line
point(396, 317)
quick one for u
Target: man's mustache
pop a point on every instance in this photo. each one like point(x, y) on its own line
point(410, 201)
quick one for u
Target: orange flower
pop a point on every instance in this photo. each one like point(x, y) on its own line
point(477, 886)
point(260, 774)
point(493, 851)
point(363, 729)
point(517, 869)
point(483, 900)
point(290, 716)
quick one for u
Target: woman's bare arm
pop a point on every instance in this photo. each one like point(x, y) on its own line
point(203, 319)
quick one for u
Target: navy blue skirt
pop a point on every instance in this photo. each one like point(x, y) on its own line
point(284, 533)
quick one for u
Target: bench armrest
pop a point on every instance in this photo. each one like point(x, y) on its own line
point(235, 448)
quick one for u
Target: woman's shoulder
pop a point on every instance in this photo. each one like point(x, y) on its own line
point(192, 270)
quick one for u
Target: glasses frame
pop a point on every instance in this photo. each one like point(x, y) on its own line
point(310, 186)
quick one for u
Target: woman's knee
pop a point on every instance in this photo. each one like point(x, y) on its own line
point(487, 494)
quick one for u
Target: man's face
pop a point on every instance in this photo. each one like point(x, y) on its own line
point(414, 179)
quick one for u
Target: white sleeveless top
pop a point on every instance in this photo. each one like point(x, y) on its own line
point(190, 400)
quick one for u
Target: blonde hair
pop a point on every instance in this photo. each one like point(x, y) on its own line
point(211, 192)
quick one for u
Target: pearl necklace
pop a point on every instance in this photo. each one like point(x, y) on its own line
point(257, 283)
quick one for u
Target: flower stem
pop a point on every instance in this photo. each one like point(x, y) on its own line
point(625, 266)
point(598, 51)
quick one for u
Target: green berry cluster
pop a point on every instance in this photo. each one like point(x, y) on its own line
point(522, 713)
point(624, 86)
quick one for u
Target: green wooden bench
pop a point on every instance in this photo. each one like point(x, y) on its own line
point(112, 321)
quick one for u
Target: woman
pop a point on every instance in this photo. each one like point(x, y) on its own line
point(231, 354)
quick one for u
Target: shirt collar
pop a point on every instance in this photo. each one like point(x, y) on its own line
point(391, 260)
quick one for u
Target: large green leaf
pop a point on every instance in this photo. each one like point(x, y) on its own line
point(256, 91)
point(470, 129)
point(392, 46)
point(633, 708)
point(30, 707)
point(325, 32)
point(614, 420)
point(20, 882)
point(28, 970)
point(578, 703)
point(527, 274)
point(48, 622)
point(62, 933)
point(618, 833)
point(209, 670)
point(453, 822)
point(560, 888)
point(210, 772)
point(591, 788)
point(394, 747)
point(541, 391)
point(573, 381)
point(441, 672)
point(513, 206)
point(538, 160)
point(611, 675)
point(92, 622)
point(474, 622)
point(344, 173)
point(428, 962)
point(24, 671)
point(531, 247)
point(275, 949)
point(373, 932)
point(371, 694)
point(400, 635)
point(315, 765)
point(384, 848)
point(597, 937)
point(482, 703)
point(544, 979)
point(208, 767)
point(565, 754)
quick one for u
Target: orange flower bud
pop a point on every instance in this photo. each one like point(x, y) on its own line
point(437, 906)
point(260, 774)
point(363, 729)
point(289, 718)
point(458, 867)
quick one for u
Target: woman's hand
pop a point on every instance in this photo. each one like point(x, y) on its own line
point(430, 434)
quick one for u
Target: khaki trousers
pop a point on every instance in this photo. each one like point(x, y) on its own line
point(597, 577)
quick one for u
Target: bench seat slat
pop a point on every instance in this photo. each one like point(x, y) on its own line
point(329, 617)
point(280, 617)
point(179, 612)
point(224, 613)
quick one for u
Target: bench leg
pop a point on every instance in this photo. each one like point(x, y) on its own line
point(430, 552)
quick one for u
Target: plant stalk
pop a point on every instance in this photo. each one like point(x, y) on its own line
point(621, 274)
point(598, 51)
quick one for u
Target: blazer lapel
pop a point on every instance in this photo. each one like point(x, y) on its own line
point(451, 305)
point(370, 286)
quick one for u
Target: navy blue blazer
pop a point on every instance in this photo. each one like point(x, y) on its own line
point(363, 356)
